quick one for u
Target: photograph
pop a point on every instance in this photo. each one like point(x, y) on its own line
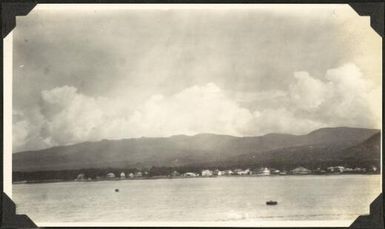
point(240, 115)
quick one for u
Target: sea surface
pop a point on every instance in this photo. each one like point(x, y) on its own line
point(217, 199)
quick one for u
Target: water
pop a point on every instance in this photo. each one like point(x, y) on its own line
point(217, 199)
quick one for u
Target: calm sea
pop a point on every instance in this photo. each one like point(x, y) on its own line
point(342, 197)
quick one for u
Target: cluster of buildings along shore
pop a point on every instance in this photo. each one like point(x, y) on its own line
point(235, 172)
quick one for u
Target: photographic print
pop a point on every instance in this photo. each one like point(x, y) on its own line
point(194, 115)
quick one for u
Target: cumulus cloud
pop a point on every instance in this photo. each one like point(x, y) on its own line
point(343, 97)
point(194, 110)
point(308, 93)
point(71, 117)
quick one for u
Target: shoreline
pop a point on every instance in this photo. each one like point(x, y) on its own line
point(180, 177)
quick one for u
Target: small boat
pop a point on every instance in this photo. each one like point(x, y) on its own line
point(116, 190)
point(271, 202)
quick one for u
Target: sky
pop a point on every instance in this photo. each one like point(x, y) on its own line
point(95, 73)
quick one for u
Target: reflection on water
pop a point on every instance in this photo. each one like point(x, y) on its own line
point(200, 199)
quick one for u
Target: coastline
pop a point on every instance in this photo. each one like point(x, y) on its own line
point(181, 177)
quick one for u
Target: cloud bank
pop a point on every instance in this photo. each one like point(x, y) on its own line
point(343, 97)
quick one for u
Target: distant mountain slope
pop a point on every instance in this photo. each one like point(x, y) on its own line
point(368, 152)
point(363, 154)
point(201, 149)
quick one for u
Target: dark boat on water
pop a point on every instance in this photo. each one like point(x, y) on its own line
point(116, 190)
point(271, 202)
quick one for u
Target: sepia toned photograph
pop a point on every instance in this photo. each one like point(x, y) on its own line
point(194, 115)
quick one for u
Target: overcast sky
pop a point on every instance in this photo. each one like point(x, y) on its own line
point(91, 74)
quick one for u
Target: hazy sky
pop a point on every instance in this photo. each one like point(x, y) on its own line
point(93, 73)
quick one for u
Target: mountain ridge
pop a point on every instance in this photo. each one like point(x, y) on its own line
point(197, 150)
point(201, 134)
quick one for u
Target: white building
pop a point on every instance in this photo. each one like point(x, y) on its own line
point(300, 171)
point(190, 174)
point(221, 173)
point(336, 169)
point(265, 172)
point(110, 175)
point(207, 173)
point(244, 172)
